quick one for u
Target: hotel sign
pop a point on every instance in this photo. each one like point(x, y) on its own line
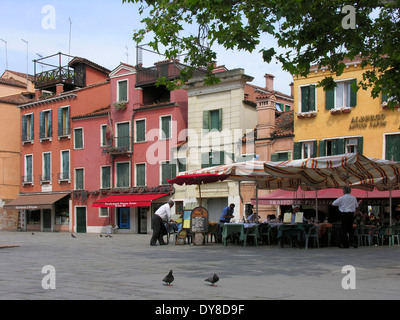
point(369, 121)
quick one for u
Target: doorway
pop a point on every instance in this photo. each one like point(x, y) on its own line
point(81, 219)
point(46, 219)
point(124, 220)
point(215, 207)
point(142, 223)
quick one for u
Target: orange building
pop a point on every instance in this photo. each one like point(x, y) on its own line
point(47, 142)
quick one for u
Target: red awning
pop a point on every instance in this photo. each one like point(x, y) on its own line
point(283, 197)
point(128, 200)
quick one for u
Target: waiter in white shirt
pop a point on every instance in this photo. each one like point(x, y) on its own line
point(163, 214)
point(347, 206)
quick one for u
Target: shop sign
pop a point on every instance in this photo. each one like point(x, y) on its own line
point(369, 121)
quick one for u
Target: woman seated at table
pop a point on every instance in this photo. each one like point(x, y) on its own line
point(271, 219)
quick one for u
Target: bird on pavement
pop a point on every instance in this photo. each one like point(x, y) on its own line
point(73, 236)
point(33, 234)
point(168, 278)
point(213, 279)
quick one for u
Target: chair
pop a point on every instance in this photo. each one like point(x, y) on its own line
point(231, 230)
point(375, 234)
point(358, 233)
point(329, 232)
point(212, 231)
point(387, 233)
point(313, 232)
point(172, 230)
point(396, 234)
point(250, 232)
point(265, 232)
point(366, 235)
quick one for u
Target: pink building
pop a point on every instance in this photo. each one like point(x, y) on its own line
point(144, 125)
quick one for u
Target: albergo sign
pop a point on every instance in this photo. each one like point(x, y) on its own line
point(370, 121)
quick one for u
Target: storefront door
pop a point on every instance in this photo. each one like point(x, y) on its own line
point(81, 219)
point(124, 221)
point(46, 219)
point(142, 214)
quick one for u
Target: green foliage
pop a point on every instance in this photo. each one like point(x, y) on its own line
point(310, 32)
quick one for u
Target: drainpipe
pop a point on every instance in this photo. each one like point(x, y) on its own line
point(132, 144)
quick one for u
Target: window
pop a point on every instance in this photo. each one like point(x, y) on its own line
point(122, 171)
point(168, 171)
point(78, 138)
point(281, 156)
point(122, 91)
point(392, 147)
point(64, 170)
point(27, 127)
point(212, 119)
point(307, 99)
point(103, 212)
point(343, 96)
point(213, 158)
point(105, 182)
point(304, 150)
point(181, 164)
point(46, 169)
point(331, 147)
point(28, 177)
point(79, 181)
point(105, 136)
point(64, 121)
point(46, 128)
point(140, 175)
point(165, 127)
point(122, 139)
point(140, 135)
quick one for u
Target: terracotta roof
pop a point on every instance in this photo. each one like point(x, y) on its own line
point(12, 82)
point(21, 74)
point(98, 112)
point(89, 63)
point(17, 99)
point(357, 59)
point(284, 124)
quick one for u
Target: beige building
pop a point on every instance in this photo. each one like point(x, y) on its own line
point(218, 117)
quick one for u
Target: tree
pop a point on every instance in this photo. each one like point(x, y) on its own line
point(311, 32)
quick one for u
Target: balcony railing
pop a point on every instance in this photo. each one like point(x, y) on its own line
point(27, 179)
point(45, 178)
point(121, 146)
point(64, 176)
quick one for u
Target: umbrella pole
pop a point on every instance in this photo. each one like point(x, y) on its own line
point(257, 199)
point(390, 206)
point(316, 205)
point(200, 195)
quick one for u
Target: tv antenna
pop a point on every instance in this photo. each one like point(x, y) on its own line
point(5, 42)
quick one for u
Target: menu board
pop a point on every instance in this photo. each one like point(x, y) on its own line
point(287, 217)
point(199, 220)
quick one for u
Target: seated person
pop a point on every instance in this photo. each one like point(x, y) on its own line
point(253, 218)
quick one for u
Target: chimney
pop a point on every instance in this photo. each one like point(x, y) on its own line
point(59, 88)
point(269, 82)
point(38, 94)
point(291, 89)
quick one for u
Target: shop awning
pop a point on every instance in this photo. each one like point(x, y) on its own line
point(128, 200)
point(284, 197)
point(35, 201)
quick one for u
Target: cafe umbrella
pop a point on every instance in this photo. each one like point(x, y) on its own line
point(350, 169)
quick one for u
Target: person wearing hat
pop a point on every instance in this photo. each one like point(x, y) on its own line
point(162, 215)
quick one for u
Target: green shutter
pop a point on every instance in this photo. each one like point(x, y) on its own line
point(220, 119)
point(24, 128)
point(312, 106)
point(305, 92)
point(42, 125)
point(353, 93)
point(105, 177)
point(275, 157)
point(140, 131)
point(206, 120)
point(50, 124)
point(140, 175)
point(321, 148)
point(60, 122)
point(340, 146)
point(330, 99)
point(166, 127)
point(32, 126)
point(297, 150)
point(360, 144)
point(393, 147)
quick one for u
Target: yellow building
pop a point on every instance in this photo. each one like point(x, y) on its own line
point(342, 120)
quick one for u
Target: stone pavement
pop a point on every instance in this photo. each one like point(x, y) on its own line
point(127, 267)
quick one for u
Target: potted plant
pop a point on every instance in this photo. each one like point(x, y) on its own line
point(120, 105)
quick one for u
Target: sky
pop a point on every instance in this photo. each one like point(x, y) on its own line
point(101, 31)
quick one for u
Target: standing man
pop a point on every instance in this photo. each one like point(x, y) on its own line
point(227, 214)
point(347, 206)
point(163, 214)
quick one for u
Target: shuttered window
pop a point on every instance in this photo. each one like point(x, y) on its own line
point(140, 175)
point(212, 119)
point(78, 138)
point(341, 96)
point(46, 129)
point(123, 91)
point(63, 121)
point(122, 179)
point(106, 177)
point(168, 171)
point(79, 184)
point(166, 127)
point(212, 159)
point(140, 130)
point(308, 98)
point(392, 150)
point(27, 127)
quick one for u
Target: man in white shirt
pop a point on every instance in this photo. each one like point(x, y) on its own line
point(163, 214)
point(347, 206)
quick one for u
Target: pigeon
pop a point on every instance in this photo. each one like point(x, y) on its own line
point(33, 234)
point(72, 235)
point(168, 278)
point(101, 236)
point(213, 279)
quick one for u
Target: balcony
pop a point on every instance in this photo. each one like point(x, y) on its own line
point(64, 177)
point(168, 69)
point(45, 178)
point(122, 146)
point(58, 72)
point(27, 179)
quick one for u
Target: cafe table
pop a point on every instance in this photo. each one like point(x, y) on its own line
point(296, 231)
point(229, 229)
